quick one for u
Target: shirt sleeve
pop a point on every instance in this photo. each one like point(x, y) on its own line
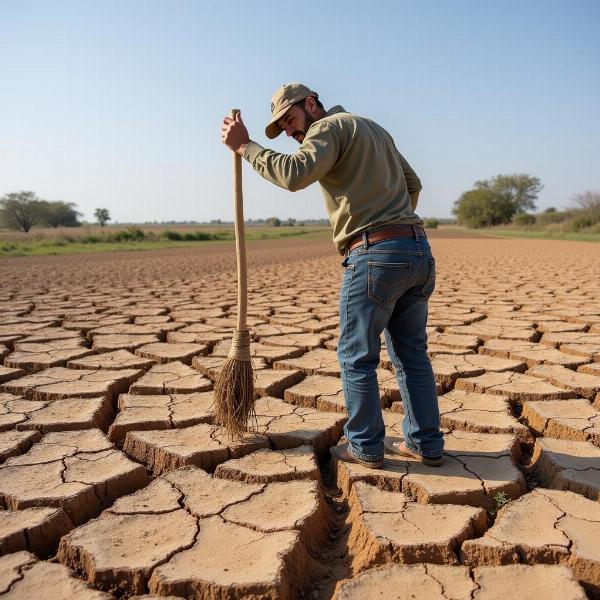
point(317, 154)
point(413, 183)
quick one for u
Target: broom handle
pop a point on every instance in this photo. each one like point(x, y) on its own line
point(240, 241)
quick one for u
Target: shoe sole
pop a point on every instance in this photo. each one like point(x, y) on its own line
point(370, 465)
point(430, 462)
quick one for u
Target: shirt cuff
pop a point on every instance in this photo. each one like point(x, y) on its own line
point(251, 151)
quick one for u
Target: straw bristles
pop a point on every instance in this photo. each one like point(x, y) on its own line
point(234, 397)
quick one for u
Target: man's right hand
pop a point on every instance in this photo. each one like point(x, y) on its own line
point(234, 134)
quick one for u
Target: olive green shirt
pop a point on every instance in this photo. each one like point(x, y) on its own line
point(366, 182)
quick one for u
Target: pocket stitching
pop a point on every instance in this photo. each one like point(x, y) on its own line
point(406, 266)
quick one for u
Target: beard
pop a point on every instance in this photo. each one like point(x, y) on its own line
point(308, 121)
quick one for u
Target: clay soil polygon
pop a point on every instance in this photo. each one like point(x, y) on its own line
point(118, 359)
point(71, 414)
point(23, 576)
point(315, 362)
point(485, 413)
point(13, 443)
point(447, 368)
point(476, 468)
point(36, 529)
point(303, 341)
point(530, 352)
point(80, 472)
point(161, 352)
point(288, 426)
point(544, 526)
point(168, 538)
point(564, 419)
point(170, 378)
point(325, 392)
point(388, 527)
point(202, 445)
point(582, 384)
point(59, 382)
point(266, 466)
point(568, 465)
point(518, 387)
point(140, 412)
point(590, 368)
point(36, 356)
point(9, 373)
point(437, 582)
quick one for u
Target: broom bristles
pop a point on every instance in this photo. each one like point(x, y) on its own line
point(234, 397)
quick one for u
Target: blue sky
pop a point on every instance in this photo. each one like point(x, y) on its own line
point(118, 104)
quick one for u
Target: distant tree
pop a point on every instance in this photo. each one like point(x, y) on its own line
point(60, 213)
point(497, 200)
point(550, 209)
point(102, 216)
point(21, 210)
point(273, 221)
point(432, 223)
point(589, 201)
point(481, 208)
point(289, 222)
point(587, 213)
point(519, 190)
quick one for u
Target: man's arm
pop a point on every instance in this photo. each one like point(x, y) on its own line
point(413, 183)
point(315, 158)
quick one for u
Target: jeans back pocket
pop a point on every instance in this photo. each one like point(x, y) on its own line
point(388, 280)
point(429, 284)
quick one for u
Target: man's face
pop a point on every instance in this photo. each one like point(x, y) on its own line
point(296, 122)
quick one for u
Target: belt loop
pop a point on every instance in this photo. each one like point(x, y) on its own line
point(365, 238)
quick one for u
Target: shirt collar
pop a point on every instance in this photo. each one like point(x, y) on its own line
point(336, 109)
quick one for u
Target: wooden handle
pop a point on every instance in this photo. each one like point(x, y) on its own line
point(240, 241)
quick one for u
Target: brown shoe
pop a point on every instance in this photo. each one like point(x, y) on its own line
point(343, 453)
point(398, 447)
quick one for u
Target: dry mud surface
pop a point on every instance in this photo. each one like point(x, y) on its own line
point(115, 482)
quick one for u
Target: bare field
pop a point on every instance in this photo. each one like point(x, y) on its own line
point(110, 461)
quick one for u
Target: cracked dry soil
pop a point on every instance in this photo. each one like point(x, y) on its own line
point(115, 482)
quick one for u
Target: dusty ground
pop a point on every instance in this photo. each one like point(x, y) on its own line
point(114, 481)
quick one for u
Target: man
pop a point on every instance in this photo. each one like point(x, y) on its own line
point(370, 194)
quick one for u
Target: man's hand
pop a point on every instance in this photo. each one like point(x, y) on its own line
point(234, 134)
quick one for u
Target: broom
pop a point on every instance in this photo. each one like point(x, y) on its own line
point(234, 388)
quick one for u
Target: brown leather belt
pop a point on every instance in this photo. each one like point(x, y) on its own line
point(385, 233)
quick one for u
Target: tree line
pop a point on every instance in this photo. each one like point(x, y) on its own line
point(22, 210)
point(505, 199)
point(497, 200)
point(501, 200)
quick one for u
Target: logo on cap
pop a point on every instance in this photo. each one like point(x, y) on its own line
point(272, 108)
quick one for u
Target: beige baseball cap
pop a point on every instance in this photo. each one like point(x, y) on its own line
point(282, 99)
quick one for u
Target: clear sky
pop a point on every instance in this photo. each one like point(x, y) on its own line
point(118, 103)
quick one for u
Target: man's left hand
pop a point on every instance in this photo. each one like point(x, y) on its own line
point(234, 134)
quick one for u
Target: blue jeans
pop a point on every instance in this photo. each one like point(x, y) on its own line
point(385, 288)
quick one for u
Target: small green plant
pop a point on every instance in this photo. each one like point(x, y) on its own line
point(501, 499)
point(431, 223)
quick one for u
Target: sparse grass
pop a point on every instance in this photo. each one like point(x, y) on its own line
point(86, 240)
point(542, 235)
